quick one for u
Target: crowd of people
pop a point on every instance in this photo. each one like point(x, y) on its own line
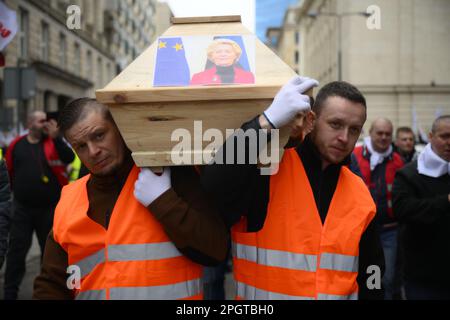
point(335, 209)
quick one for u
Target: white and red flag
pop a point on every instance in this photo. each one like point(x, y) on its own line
point(8, 25)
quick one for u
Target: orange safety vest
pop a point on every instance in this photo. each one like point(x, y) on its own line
point(294, 256)
point(133, 259)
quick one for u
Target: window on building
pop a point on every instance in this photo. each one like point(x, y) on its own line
point(45, 41)
point(150, 11)
point(274, 41)
point(62, 50)
point(23, 33)
point(77, 59)
point(99, 72)
point(119, 40)
point(296, 57)
point(119, 10)
point(108, 72)
point(127, 48)
point(47, 100)
point(297, 38)
point(62, 4)
point(89, 66)
point(63, 101)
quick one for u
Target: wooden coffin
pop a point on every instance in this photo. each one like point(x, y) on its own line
point(147, 116)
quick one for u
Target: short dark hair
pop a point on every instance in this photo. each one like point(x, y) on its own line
point(403, 130)
point(338, 89)
point(77, 110)
point(439, 119)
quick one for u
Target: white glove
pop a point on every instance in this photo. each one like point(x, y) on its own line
point(150, 186)
point(290, 101)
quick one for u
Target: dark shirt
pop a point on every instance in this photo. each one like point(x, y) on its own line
point(226, 74)
point(30, 170)
point(406, 157)
point(422, 208)
point(323, 182)
point(240, 190)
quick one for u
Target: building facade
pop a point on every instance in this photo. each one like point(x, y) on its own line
point(130, 28)
point(285, 40)
point(73, 63)
point(401, 67)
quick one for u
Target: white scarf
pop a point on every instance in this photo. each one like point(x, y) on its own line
point(375, 157)
point(431, 165)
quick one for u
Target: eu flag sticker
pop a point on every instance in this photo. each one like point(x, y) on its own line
point(171, 67)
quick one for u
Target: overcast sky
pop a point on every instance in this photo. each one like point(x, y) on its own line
point(198, 8)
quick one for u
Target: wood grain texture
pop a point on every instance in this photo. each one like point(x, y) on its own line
point(184, 20)
point(150, 130)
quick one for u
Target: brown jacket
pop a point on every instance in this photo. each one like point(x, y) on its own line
point(191, 222)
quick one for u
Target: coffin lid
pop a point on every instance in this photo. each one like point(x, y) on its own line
point(135, 83)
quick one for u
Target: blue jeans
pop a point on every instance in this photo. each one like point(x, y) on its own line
point(389, 242)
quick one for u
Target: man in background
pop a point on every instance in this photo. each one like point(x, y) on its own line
point(422, 206)
point(405, 143)
point(379, 163)
point(37, 168)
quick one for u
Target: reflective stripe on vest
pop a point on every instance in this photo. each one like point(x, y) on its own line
point(175, 291)
point(251, 293)
point(295, 261)
point(275, 258)
point(338, 262)
point(129, 252)
point(88, 264)
point(91, 295)
point(148, 251)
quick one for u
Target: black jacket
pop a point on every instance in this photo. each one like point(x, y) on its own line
point(240, 189)
point(421, 205)
point(5, 208)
